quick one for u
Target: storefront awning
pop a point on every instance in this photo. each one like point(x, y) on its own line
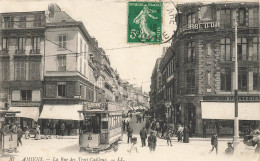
point(226, 110)
point(62, 112)
point(26, 112)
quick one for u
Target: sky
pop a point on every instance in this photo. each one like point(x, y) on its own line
point(107, 22)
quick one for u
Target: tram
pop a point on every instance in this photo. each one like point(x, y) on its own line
point(8, 140)
point(101, 128)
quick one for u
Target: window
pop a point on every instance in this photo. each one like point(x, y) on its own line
point(61, 62)
point(242, 79)
point(256, 17)
point(80, 46)
point(36, 44)
point(62, 41)
point(35, 70)
point(62, 90)
point(241, 17)
point(4, 70)
point(26, 95)
point(191, 19)
point(4, 44)
point(85, 51)
point(206, 13)
point(256, 48)
point(8, 22)
point(225, 49)
point(80, 65)
point(225, 18)
point(22, 23)
point(191, 52)
point(225, 76)
point(20, 70)
point(190, 82)
point(21, 43)
point(37, 20)
point(256, 79)
point(242, 49)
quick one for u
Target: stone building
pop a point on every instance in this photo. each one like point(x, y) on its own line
point(204, 48)
point(21, 63)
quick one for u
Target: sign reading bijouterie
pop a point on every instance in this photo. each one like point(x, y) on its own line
point(231, 98)
point(203, 25)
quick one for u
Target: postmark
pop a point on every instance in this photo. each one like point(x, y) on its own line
point(144, 22)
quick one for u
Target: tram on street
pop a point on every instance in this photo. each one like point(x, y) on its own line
point(101, 128)
point(8, 139)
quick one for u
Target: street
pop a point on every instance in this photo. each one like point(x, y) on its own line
point(67, 148)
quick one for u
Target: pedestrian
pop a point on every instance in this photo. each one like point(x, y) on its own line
point(123, 124)
point(147, 126)
point(133, 147)
point(214, 143)
point(38, 133)
point(27, 133)
point(186, 135)
point(230, 149)
point(131, 115)
point(157, 126)
point(168, 137)
point(204, 129)
point(189, 129)
point(47, 131)
point(143, 115)
point(129, 134)
point(179, 133)
point(164, 129)
point(143, 136)
point(57, 128)
point(152, 142)
point(62, 129)
point(127, 125)
point(19, 135)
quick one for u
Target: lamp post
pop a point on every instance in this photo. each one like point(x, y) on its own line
point(236, 121)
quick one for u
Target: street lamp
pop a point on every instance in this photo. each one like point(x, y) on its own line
point(236, 121)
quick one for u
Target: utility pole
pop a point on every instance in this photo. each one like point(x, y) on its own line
point(236, 121)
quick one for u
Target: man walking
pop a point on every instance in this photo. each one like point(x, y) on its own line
point(19, 134)
point(214, 143)
point(123, 124)
point(127, 125)
point(129, 134)
point(152, 141)
point(143, 135)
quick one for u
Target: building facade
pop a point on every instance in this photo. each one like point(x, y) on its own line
point(21, 63)
point(205, 52)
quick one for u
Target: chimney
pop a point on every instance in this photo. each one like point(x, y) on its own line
point(52, 8)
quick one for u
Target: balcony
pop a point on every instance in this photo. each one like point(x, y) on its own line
point(188, 90)
point(22, 24)
point(254, 22)
point(20, 52)
point(35, 51)
point(4, 52)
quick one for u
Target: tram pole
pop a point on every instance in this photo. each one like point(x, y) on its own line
point(236, 121)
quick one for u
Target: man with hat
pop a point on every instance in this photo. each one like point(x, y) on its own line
point(143, 136)
point(214, 143)
point(152, 141)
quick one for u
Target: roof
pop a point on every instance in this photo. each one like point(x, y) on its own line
point(61, 16)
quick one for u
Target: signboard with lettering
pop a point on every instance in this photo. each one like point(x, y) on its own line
point(203, 25)
point(94, 105)
point(25, 104)
point(231, 98)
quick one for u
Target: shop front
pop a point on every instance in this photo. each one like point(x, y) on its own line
point(218, 116)
point(53, 116)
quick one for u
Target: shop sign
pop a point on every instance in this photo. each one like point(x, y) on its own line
point(94, 105)
point(203, 25)
point(231, 98)
point(25, 104)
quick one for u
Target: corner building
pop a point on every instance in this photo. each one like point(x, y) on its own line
point(205, 76)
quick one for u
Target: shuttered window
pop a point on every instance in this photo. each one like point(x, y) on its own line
point(20, 70)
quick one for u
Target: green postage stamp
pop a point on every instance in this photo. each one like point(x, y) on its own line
point(144, 22)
